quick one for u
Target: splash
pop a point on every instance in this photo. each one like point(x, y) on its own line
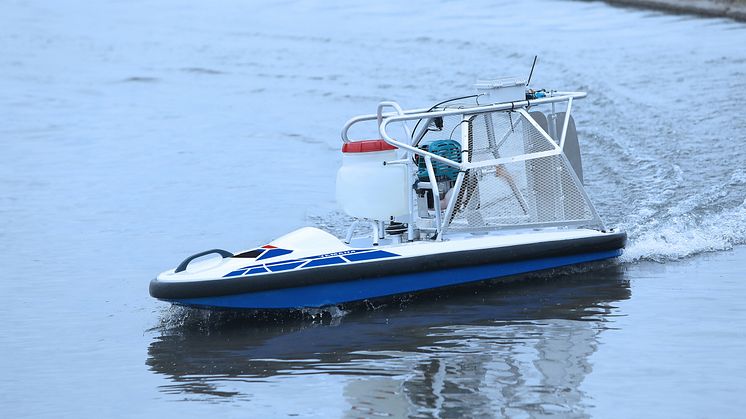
point(687, 235)
point(179, 319)
point(712, 220)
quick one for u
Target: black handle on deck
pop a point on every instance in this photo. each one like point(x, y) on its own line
point(183, 265)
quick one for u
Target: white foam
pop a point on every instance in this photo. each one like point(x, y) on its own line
point(686, 235)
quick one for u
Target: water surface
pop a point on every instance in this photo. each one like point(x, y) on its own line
point(136, 133)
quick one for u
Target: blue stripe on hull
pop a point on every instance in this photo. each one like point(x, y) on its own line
point(355, 290)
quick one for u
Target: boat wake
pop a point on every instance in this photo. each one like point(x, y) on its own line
point(686, 235)
point(713, 220)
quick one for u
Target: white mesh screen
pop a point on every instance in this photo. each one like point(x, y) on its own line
point(538, 190)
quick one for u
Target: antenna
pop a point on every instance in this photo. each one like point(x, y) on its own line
point(532, 70)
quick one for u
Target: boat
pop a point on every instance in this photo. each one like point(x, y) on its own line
point(483, 187)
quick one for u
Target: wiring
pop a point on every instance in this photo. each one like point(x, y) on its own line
point(435, 106)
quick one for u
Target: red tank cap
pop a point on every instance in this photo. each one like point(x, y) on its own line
point(366, 146)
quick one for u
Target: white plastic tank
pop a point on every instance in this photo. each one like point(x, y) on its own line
point(366, 188)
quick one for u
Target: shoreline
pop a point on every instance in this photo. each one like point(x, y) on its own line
point(734, 9)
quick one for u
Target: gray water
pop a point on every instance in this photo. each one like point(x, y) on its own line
point(135, 133)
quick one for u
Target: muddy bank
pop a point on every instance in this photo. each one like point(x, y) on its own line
point(735, 9)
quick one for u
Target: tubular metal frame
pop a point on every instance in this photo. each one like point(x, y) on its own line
point(442, 219)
